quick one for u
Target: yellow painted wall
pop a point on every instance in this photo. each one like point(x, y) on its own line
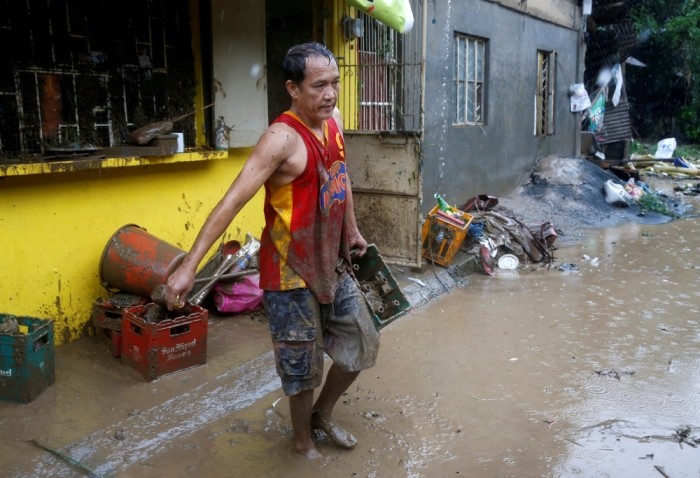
point(54, 228)
point(346, 53)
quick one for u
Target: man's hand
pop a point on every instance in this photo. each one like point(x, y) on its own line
point(179, 284)
point(357, 243)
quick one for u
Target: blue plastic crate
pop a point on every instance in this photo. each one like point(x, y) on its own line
point(27, 360)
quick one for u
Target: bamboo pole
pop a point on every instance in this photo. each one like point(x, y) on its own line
point(662, 168)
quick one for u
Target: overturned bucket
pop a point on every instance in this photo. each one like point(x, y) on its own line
point(135, 261)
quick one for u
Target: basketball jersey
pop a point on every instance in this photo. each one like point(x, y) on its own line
point(304, 234)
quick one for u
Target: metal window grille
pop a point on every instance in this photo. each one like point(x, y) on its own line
point(470, 68)
point(87, 72)
point(382, 79)
point(544, 121)
point(379, 76)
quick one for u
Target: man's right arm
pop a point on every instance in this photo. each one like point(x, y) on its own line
point(269, 155)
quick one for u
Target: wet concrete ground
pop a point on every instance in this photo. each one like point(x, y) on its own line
point(529, 373)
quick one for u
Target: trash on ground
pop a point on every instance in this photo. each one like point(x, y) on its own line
point(444, 231)
point(134, 268)
point(665, 148)
point(568, 267)
point(417, 281)
point(498, 239)
point(614, 373)
point(615, 194)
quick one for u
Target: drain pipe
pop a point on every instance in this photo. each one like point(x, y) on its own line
point(581, 56)
point(423, 54)
point(421, 136)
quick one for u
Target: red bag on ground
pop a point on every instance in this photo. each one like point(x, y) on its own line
point(242, 295)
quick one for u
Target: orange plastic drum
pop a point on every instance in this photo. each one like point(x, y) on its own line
point(135, 261)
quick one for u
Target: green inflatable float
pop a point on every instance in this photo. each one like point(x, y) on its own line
point(395, 14)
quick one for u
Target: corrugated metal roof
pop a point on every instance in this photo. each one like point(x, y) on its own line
point(617, 125)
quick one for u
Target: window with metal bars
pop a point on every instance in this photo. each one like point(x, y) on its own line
point(469, 80)
point(81, 74)
point(382, 81)
point(544, 107)
point(378, 59)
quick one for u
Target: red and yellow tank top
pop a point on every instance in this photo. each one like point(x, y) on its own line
point(304, 233)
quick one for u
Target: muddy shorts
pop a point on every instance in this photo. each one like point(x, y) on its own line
point(302, 330)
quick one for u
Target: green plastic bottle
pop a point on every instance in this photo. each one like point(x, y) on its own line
point(442, 204)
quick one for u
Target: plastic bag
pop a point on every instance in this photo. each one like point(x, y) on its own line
point(617, 75)
point(579, 98)
point(242, 295)
point(665, 148)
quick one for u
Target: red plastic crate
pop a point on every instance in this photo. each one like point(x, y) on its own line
point(158, 348)
point(107, 313)
point(113, 339)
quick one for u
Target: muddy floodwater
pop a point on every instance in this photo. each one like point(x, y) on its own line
point(591, 371)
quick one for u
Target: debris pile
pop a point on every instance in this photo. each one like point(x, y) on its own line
point(499, 239)
point(134, 268)
point(489, 232)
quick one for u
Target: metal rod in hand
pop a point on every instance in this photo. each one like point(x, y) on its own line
point(249, 249)
point(230, 275)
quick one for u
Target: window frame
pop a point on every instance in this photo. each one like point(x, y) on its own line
point(76, 92)
point(546, 93)
point(477, 78)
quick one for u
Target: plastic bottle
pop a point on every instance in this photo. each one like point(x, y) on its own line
point(442, 204)
point(222, 134)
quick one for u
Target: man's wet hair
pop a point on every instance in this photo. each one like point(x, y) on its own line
point(294, 64)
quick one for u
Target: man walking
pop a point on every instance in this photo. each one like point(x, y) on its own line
point(312, 301)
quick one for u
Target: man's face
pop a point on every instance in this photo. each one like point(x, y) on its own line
point(318, 93)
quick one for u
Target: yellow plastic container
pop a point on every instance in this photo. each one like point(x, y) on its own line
point(442, 238)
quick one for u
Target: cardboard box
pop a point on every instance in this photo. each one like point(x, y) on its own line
point(27, 360)
point(159, 348)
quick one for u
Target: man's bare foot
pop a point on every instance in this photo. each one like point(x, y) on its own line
point(340, 437)
point(308, 452)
